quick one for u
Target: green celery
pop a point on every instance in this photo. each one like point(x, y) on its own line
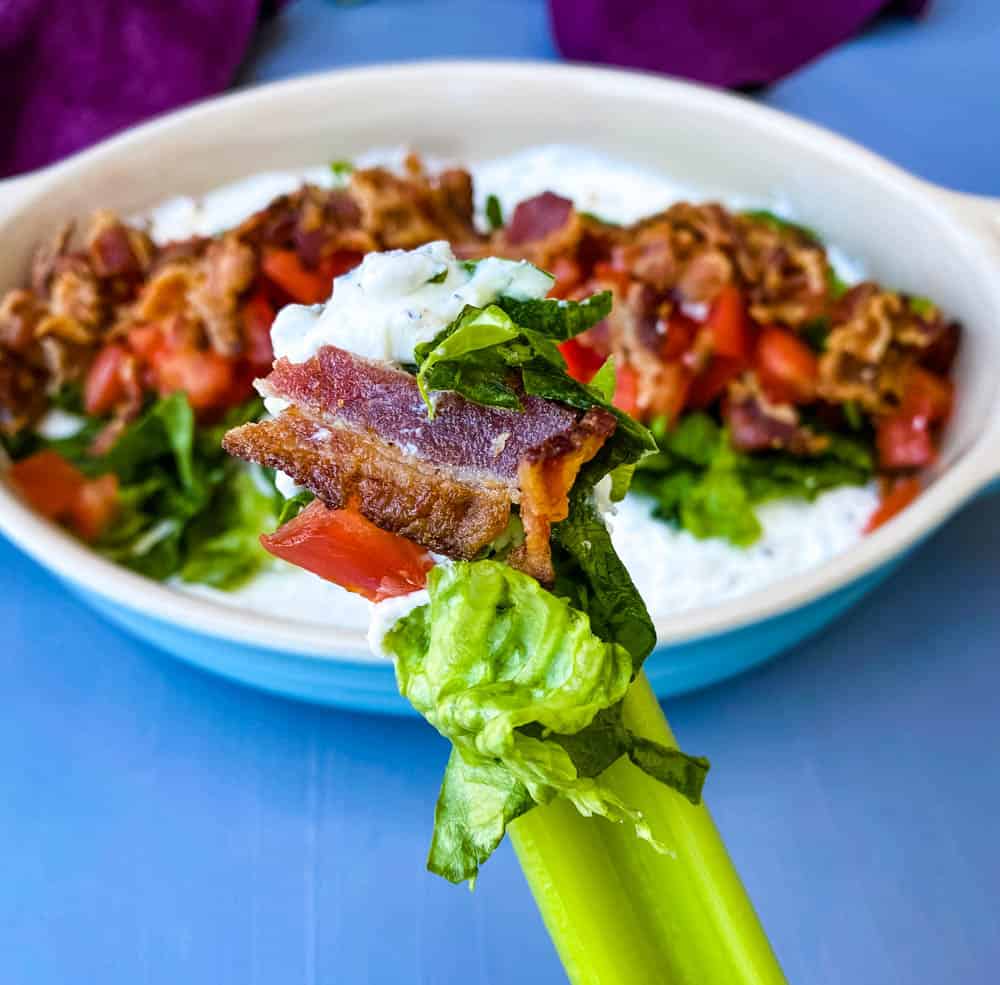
point(621, 914)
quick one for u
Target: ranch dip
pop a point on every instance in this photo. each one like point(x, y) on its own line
point(674, 571)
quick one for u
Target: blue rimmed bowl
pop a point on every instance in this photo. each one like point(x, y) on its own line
point(924, 239)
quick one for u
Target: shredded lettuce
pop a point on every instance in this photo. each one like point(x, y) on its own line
point(494, 213)
point(529, 692)
point(700, 483)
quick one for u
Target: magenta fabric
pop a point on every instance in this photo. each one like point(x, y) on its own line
point(722, 42)
point(74, 71)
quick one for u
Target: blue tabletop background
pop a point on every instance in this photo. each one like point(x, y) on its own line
point(161, 826)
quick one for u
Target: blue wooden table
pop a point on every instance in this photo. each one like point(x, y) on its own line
point(160, 826)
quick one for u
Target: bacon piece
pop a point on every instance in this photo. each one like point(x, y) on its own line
point(358, 432)
point(546, 475)
point(226, 271)
point(757, 424)
point(340, 388)
point(538, 217)
point(397, 492)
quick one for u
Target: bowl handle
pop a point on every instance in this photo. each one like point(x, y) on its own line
point(982, 214)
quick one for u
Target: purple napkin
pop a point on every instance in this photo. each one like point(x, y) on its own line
point(723, 42)
point(73, 71)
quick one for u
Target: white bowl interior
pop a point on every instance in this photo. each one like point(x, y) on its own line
point(726, 146)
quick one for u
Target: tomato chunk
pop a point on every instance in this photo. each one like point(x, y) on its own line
point(904, 441)
point(626, 396)
point(286, 270)
point(206, 377)
point(349, 550)
point(712, 383)
point(258, 316)
point(48, 482)
point(582, 361)
point(894, 501)
point(106, 385)
point(787, 367)
point(94, 507)
point(730, 326)
point(568, 275)
point(925, 394)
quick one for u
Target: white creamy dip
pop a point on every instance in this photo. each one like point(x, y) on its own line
point(394, 301)
point(673, 570)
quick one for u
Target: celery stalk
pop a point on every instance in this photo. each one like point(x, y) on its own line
point(618, 912)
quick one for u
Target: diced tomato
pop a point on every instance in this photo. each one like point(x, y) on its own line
point(787, 367)
point(335, 264)
point(94, 507)
point(349, 550)
point(894, 500)
point(582, 361)
point(147, 341)
point(609, 276)
point(925, 394)
point(206, 377)
point(258, 316)
point(904, 441)
point(729, 325)
point(287, 271)
point(672, 391)
point(47, 481)
point(105, 385)
point(626, 389)
point(712, 383)
point(568, 275)
point(679, 334)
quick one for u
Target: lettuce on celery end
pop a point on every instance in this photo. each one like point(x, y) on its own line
point(530, 697)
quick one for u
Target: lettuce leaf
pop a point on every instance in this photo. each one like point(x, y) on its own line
point(700, 483)
point(558, 319)
point(529, 695)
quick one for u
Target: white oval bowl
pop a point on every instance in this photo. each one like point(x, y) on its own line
point(910, 234)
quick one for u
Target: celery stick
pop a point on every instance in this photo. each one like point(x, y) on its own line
point(622, 914)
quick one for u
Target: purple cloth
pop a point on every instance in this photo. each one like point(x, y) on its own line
point(723, 42)
point(74, 71)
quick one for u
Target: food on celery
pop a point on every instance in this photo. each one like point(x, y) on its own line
point(477, 444)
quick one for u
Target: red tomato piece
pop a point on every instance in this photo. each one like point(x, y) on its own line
point(206, 377)
point(710, 385)
point(48, 482)
point(286, 270)
point(105, 385)
point(335, 264)
point(94, 507)
point(679, 334)
point(787, 367)
point(626, 396)
point(894, 501)
point(258, 316)
point(925, 394)
point(582, 361)
point(349, 550)
point(904, 441)
point(729, 325)
point(610, 277)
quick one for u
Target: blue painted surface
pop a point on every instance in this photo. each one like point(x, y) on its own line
point(159, 825)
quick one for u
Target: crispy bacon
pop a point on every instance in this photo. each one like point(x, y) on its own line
point(358, 431)
point(757, 424)
point(396, 491)
point(337, 387)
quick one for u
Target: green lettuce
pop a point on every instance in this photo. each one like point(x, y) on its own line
point(700, 483)
point(529, 693)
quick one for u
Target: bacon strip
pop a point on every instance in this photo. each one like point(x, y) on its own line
point(358, 433)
